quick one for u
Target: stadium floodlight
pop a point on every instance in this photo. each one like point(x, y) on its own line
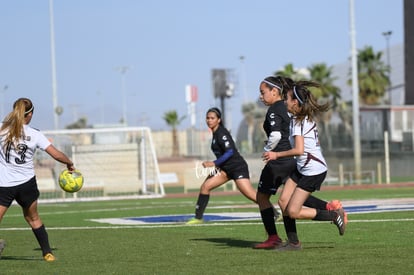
point(123, 70)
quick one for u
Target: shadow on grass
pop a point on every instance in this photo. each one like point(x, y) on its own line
point(20, 258)
point(228, 242)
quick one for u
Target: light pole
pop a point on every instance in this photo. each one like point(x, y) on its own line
point(57, 110)
point(355, 95)
point(123, 70)
point(244, 78)
point(3, 93)
point(387, 36)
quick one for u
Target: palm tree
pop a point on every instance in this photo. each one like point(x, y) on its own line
point(248, 113)
point(372, 76)
point(291, 72)
point(172, 119)
point(327, 92)
point(253, 113)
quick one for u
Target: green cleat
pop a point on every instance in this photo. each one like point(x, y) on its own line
point(195, 221)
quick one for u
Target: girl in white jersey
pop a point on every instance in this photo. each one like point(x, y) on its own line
point(311, 167)
point(18, 143)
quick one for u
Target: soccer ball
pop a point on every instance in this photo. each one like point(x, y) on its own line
point(71, 181)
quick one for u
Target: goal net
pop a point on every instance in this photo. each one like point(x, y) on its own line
point(115, 162)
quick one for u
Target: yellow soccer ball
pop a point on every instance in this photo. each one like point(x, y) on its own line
point(71, 181)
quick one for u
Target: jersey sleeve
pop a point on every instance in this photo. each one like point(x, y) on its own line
point(42, 141)
point(227, 147)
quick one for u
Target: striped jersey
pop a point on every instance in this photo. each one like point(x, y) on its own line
point(311, 162)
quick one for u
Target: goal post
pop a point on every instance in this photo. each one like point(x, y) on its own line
point(115, 162)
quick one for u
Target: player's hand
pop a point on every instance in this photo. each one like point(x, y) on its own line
point(267, 156)
point(70, 167)
point(208, 164)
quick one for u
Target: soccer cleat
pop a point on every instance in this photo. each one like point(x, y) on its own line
point(336, 205)
point(2, 245)
point(339, 220)
point(272, 242)
point(195, 221)
point(333, 205)
point(277, 214)
point(288, 246)
point(49, 257)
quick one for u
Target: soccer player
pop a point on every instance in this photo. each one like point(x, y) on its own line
point(276, 171)
point(311, 167)
point(18, 143)
point(229, 165)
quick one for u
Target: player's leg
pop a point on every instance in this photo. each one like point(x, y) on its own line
point(27, 199)
point(296, 210)
point(6, 199)
point(246, 188)
point(31, 215)
point(3, 210)
point(211, 182)
point(288, 222)
point(267, 187)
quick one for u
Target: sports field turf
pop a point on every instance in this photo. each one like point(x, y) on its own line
point(374, 243)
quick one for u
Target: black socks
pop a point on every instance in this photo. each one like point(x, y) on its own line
point(42, 239)
point(201, 205)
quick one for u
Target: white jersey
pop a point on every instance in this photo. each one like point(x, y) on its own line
point(16, 162)
point(311, 162)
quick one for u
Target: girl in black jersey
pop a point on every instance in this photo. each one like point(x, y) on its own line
point(229, 165)
point(275, 172)
point(311, 167)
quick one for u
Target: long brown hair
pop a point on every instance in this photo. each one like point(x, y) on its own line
point(14, 121)
point(308, 103)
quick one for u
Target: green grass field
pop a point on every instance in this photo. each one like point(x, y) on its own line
point(378, 243)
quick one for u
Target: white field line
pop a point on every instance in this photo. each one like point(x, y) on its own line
point(184, 225)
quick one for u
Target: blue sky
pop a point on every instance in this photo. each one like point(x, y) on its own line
point(167, 45)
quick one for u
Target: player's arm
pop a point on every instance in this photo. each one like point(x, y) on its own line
point(275, 120)
point(298, 150)
point(60, 156)
point(272, 141)
point(229, 152)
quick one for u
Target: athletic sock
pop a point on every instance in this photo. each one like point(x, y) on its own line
point(290, 228)
point(316, 203)
point(268, 219)
point(201, 205)
point(42, 239)
point(324, 215)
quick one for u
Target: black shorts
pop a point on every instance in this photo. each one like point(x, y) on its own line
point(24, 194)
point(274, 174)
point(308, 183)
point(237, 171)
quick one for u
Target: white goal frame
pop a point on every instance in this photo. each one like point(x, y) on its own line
point(118, 162)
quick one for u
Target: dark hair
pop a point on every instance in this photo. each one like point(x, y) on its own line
point(283, 84)
point(308, 103)
point(217, 112)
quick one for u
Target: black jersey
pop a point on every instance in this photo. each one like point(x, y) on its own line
point(222, 143)
point(277, 119)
